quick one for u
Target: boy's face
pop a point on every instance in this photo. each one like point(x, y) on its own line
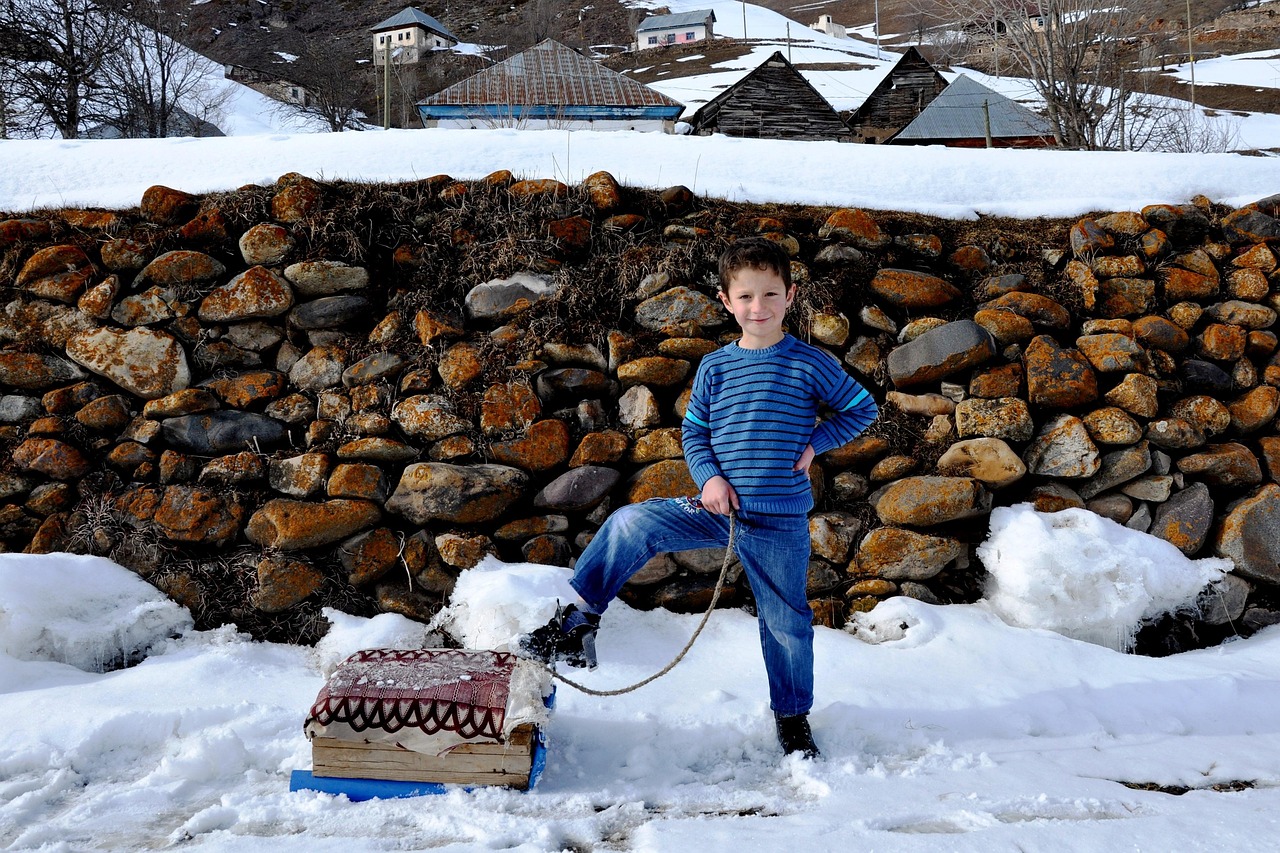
point(758, 300)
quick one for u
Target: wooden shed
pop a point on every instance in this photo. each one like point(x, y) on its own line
point(773, 101)
point(909, 87)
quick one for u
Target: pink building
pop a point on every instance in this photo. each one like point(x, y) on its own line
point(680, 28)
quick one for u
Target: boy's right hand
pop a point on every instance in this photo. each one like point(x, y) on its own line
point(718, 496)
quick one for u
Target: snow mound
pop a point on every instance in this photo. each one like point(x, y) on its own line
point(494, 602)
point(349, 634)
point(1084, 576)
point(84, 611)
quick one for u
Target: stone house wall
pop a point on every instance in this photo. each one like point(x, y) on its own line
point(314, 394)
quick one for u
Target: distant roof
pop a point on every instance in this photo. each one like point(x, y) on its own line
point(678, 19)
point(957, 114)
point(409, 16)
point(550, 73)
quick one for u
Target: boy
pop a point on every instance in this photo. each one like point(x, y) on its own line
point(749, 438)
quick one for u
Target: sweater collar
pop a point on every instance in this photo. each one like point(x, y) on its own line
point(787, 342)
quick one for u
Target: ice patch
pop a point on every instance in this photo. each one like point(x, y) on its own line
point(1086, 577)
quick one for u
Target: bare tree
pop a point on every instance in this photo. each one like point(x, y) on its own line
point(1072, 51)
point(335, 90)
point(154, 85)
point(51, 56)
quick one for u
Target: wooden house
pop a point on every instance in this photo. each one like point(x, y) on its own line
point(678, 28)
point(773, 101)
point(909, 87)
point(550, 86)
point(407, 35)
point(969, 115)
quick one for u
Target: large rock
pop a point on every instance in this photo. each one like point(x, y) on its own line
point(180, 267)
point(1063, 448)
point(144, 362)
point(913, 290)
point(265, 244)
point(896, 554)
point(470, 494)
point(578, 489)
point(322, 367)
point(51, 457)
point(988, 460)
point(666, 479)
point(1058, 377)
point(1118, 466)
point(57, 272)
point(329, 312)
point(284, 582)
point(1004, 417)
point(428, 417)
point(855, 227)
point(291, 525)
point(1185, 519)
point(928, 500)
point(940, 352)
point(29, 371)
point(1111, 352)
point(257, 292)
point(325, 278)
point(1040, 310)
point(505, 297)
point(544, 446)
point(1229, 465)
point(508, 407)
point(1250, 535)
point(199, 516)
point(226, 431)
point(167, 206)
point(679, 309)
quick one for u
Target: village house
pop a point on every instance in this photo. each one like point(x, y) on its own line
point(903, 93)
point(550, 86)
point(826, 24)
point(269, 84)
point(407, 35)
point(969, 115)
point(679, 28)
point(773, 101)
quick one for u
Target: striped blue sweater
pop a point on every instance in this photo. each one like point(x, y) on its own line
point(752, 412)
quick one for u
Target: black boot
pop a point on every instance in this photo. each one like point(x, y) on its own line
point(570, 636)
point(795, 736)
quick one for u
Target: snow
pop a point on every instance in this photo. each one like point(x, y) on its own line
point(1086, 576)
point(942, 728)
point(1260, 69)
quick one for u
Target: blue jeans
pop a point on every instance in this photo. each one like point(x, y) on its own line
point(773, 549)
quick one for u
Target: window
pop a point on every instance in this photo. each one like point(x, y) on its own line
point(381, 39)
point(690, 36)
point(671, 38)
point(653, 39)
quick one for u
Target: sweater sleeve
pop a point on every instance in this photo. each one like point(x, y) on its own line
point(855, 409)
point(696, 431)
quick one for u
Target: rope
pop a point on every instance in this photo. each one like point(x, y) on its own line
point(715, 596)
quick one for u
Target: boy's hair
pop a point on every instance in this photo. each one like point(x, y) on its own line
point(754, 253)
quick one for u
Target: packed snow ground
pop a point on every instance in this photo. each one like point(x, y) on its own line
point(943, 728)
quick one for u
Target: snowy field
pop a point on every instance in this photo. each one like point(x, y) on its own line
point(943, 728)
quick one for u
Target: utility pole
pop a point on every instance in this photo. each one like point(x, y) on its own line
point(744, 20)
point(386, 84)
point(1191, 55)
point(788, 41)
point(986, 121)
point(877, 9)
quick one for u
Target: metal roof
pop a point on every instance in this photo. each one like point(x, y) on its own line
point(408, 17)
point(550, 73)
point(957, 114)
point(676, 20)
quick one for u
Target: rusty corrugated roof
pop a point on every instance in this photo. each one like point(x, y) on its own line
point(550, 73)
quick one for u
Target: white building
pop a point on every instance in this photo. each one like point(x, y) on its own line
point(680, 28)
point(407, 35)
point(826, 25)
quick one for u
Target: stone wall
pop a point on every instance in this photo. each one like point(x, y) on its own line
point(316, 394)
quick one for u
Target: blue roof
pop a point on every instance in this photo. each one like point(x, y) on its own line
point(408, 17)
point(677, 20)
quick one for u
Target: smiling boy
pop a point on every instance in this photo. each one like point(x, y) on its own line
point(749, 438)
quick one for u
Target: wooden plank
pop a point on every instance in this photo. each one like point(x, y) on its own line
point(469, 764)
